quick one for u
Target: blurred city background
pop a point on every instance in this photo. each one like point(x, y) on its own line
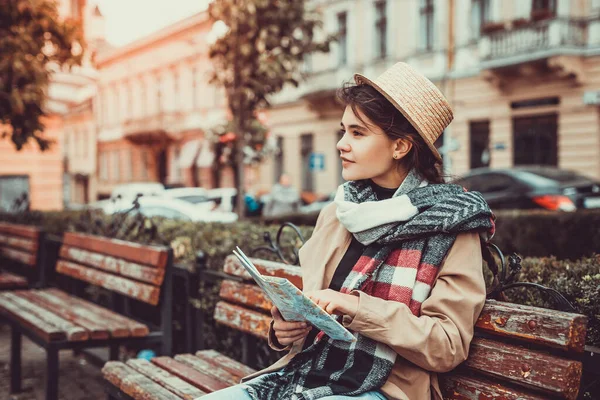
point(523, 78)
point(142, 122)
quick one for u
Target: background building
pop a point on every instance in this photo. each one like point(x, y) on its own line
point(521, 75)
point(153, 106)
point(43, 176)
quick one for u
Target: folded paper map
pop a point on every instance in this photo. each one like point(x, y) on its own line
point(293, 304)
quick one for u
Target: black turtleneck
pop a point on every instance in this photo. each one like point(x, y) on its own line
point(351, 256)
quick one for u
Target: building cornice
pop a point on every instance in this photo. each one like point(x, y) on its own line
point(164, 34)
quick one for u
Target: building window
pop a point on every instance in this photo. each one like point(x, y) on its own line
point(306, 149)
point(116, 172)
point(84, 138)
point(380, 29)
point(535, 140)
point(342, 20)
point(279, 159)
point(480, 144)
point(194, 88)
point(104, 166)
point(480, 16)
point(543, 9)
point(145, 166)
point(127, 165)
point(426, 24)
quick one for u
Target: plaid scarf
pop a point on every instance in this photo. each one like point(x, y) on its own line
point(407, 239)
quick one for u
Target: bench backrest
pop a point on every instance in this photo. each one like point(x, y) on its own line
point(521, 352)
point(518, 352)
point(244, 306)
point(130, 269)
point(20, 246)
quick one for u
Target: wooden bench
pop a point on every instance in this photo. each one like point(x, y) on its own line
point(520, 352)
point(135, 277)
point(19, 256)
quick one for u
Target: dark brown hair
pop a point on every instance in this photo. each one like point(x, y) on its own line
point(383, 114)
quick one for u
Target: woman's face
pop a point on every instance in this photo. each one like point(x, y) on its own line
point(368, 153)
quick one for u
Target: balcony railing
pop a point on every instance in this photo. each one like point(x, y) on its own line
point(166, 122)
point(532, 38)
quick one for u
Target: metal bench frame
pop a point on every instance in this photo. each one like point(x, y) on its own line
point(163, 335)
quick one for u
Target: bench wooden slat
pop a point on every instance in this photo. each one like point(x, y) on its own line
point(137, 290)
point(135, 328)
point(242, 319)
point(170, 382)
point(462, 387)
point(11, 281)
point(268, 268)
point(114, 265)
point(96, 328)
point(134, 383)
point(30, 232)
point(18, 255)
point(531, 369)
point(245, 294)
point(535, 325)
point(143, 254)
point(207, 368)
point(207, 383)
point(43, 329)
point(82, 316)
point(74, 333)
point(238, 369)
point(19, 243)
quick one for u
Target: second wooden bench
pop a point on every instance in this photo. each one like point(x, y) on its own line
point(135, 276)
point(519, 352)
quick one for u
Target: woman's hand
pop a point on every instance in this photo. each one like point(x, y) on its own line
point(288, 332)
point(335, 302)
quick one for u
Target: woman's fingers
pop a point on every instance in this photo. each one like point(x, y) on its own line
point(288, 326)
point(292, 333)
point(276, 314)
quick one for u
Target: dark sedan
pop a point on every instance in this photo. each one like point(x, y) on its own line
point(533, 187)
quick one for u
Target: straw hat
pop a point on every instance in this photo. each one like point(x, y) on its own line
point(416, 97)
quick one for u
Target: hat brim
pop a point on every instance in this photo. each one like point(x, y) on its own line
point(363, 80)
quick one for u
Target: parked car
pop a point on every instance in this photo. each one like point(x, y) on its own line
point(156, 206)
point(193, 195)
point(129, 191)
point(531, 187)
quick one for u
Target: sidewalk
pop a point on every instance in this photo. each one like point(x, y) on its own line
point(78, 379)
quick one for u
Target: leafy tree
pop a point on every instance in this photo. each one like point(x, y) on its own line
point(262, 49)
point(34, 41)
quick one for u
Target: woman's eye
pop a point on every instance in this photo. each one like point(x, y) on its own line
point(356, 133)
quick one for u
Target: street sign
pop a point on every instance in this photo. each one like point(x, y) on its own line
point(591, 97)
point(316, 162)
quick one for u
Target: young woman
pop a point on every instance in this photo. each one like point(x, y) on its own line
point(396, 256)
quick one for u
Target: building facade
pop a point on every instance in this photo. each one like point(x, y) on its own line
point(42, 176)
point(521, 76)
point(153, 107)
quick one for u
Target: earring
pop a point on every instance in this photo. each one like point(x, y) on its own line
point(395, 156)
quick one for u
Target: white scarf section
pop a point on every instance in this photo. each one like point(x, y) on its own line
point(359, 217)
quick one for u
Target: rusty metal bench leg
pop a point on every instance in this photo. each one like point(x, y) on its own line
point(52, 373)
point(15, 360)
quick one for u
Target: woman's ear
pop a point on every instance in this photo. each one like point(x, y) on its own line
point(402, 147)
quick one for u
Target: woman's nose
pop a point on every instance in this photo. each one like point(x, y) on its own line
point(342, 145)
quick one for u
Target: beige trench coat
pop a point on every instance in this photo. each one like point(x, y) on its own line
point(435, 342)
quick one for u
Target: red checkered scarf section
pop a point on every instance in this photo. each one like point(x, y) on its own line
point(401, 265)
